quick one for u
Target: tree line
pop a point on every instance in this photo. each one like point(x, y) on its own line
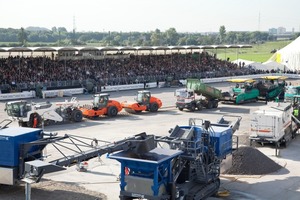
point(59, 36)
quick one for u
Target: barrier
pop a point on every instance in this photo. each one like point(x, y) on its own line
point(19, 95)
point(62, 93)
point(127, 87)
point(70, 92)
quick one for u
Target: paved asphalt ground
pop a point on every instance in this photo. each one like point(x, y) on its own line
point(102, 174)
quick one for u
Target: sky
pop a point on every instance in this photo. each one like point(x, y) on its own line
point(148, 15)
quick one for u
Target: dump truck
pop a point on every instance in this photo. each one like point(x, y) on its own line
point(101, 105)
point(242, 92)
point(144, 102)
point(30, 114)
point(197, 95)
point(274, 123)
point(187, 168)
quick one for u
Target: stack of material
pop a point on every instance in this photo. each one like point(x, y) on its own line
point(250, 161)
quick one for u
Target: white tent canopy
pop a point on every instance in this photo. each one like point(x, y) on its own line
point(272, 65)
point(246, 62)
point(290, 55)
point(257, 65)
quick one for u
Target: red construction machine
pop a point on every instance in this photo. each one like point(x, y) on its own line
point(101, 105)
point(144, 102)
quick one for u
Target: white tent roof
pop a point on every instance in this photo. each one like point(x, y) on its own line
point(290, 55)
point(257, 65)
point(247, 62)
point(274, 65)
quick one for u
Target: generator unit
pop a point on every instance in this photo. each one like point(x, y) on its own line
point(273, 123)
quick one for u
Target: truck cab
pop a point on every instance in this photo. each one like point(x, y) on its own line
point(143, 97)
point(100, 100)
point(17, 109)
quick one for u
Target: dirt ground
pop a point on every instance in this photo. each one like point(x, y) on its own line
point(50, 190)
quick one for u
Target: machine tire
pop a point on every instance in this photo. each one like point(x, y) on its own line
point(181, 109)
point(76, 115)
point(192, 108)
point(153, 107)
point(199, 107)
point(209, 105)
point(112, 111)
point(215, 104)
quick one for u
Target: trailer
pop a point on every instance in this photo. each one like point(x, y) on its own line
point(197, 95)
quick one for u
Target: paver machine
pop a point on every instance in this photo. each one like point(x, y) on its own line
point(271, 87)
point(44, 113)
point(243, 92)
point(101, 105)
point(197, 95)
point(144, 102)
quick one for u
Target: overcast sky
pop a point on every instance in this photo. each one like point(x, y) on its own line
point(148, 15)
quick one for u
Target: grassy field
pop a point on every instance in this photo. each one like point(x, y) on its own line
point(258, 52)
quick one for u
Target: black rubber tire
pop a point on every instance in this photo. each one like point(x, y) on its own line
point(215, 104)
point(112, 111)
point(76, 115)
point(209, 105)
point(193, 108)
point(153, 107)
point(199, 107)
point(181, 109)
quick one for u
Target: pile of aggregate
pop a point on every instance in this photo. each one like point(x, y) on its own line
point(250, 161)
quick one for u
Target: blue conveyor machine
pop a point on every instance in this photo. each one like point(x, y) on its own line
point(187, 167)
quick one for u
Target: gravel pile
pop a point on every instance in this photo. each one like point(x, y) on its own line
point(49, 190)
point(250, 161)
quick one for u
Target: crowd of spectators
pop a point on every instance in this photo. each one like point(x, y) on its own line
point(16, 70)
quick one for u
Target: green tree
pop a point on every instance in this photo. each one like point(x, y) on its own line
point(156, 38)
point(231, 37)
point(222, 34)
point(22, 37)
point(171, 36)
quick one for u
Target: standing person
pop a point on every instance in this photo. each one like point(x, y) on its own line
point(35, 121)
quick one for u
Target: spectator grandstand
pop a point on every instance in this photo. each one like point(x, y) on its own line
point(20, 73)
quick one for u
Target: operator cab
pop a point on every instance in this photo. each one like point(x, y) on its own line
point(100, 100)
point(143, 97)
point(17, 108)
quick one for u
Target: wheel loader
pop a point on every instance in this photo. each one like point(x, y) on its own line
point(101, 105)
point(45, 113)
point(143, 102)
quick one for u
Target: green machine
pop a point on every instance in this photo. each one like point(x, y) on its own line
point(244, 91)
point(271, 87)
point(290, 92)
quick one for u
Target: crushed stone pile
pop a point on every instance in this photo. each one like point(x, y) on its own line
point(250, 161)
